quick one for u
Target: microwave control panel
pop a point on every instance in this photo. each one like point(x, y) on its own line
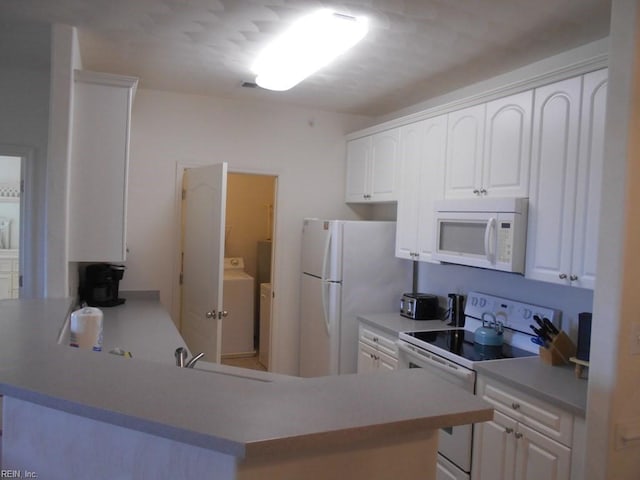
point(505, 241)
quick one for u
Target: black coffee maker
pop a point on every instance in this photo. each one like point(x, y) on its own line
point(100, 285)
point(455, 310)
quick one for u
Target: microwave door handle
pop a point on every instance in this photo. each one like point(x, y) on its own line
point(489, 242)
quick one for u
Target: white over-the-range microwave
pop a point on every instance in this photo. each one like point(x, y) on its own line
point(482, 232)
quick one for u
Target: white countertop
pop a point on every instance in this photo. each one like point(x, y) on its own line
point(557, 385)
point(223, 410)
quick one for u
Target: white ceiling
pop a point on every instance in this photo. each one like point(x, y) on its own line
point(415, 50)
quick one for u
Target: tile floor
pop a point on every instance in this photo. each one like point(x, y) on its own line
point(244, 362)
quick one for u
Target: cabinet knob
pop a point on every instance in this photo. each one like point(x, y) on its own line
point(483, 191)
point(508, 430)
point(476, 191)
point(515, 406)
point(211, 314)
point(573, 278)
point(518, 435)
point(562, 276)
point(222, 314)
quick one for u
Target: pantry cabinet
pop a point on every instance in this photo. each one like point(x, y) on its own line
point(528, 439)
point(373, 168)
point(422, 147)
point(99, 166)
point(566, 172)
point(488, 149)
point(377, 350)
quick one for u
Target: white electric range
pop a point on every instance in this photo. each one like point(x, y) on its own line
point(452, 354)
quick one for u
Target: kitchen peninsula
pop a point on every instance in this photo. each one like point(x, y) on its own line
point(71, 413)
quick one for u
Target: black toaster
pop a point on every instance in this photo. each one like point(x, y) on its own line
point(419, 306)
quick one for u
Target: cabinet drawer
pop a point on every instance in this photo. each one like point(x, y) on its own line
point(6, 265)
point(537, 414)
point(382, 342)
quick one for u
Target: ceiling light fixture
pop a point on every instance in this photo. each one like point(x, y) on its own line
point(308, 45)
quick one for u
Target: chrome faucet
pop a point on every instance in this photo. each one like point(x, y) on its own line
point(181, 357)
point(192, 362)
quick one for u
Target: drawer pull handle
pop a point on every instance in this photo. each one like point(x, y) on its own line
point(518, 435)
point(508, 430)
point(515, 406)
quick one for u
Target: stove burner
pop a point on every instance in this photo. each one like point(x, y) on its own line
point(460, 342)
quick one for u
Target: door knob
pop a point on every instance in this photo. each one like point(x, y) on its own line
point(211, 314)
point(222, 314)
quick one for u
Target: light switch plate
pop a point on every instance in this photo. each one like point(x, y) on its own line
point(635, 338)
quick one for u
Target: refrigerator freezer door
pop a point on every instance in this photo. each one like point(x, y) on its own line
point(321, 249)
point(319, 339)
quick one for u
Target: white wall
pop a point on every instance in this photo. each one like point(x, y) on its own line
point(614, 386)
point(304, 148)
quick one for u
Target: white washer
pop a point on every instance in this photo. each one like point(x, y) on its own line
point(238, 300)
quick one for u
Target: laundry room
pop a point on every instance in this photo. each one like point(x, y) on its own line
point(247, 270)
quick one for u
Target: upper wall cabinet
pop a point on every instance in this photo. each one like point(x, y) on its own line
point(566, 172)
point(99, 166)
point(422, 147)
point(373, 168)
point(488, 149)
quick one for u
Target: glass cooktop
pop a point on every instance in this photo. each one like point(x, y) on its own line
point(460, 342)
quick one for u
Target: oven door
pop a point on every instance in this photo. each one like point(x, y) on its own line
point(454, 442)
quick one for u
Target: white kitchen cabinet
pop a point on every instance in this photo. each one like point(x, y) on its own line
point(465, 144)
point(488, 149)
point(99, 166)
point(528, 439)
point(566, 171)
point(373, 168)
point(422, 152)
point(9, 274)
point(377, 350)
point(507, 146)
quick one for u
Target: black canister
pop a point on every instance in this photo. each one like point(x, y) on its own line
point(584, 336)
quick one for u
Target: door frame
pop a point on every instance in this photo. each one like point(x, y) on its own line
point(28, 246)
point(176, 293)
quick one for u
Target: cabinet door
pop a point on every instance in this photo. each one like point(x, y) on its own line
point(99, 167)
point(507, 146)
point(540, 457)
point(367, 358)
point(465, 138)
point(431, 187)
point(411, 157)
point(385, 166)
point(494, 449)
point(386, 363)
point(590, 164)
point(552, 190)
point(357, 173)
point(5, 285)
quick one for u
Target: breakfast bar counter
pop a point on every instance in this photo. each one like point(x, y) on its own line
point(75, 413)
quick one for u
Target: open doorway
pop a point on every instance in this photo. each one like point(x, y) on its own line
point(10, 193)
point(249, 230)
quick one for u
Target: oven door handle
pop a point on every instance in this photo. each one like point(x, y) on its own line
point(450, 368)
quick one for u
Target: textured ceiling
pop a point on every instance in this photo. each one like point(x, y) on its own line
point(416, 49)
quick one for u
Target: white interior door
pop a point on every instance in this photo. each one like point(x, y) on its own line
point(203, 211)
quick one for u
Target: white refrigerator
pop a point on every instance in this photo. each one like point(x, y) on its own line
point(348, 268)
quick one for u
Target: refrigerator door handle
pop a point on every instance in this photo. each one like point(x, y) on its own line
point(325, 306)
point(326, 256)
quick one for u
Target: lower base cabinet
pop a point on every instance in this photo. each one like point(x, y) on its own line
point(377, 350)
point(512, 447)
